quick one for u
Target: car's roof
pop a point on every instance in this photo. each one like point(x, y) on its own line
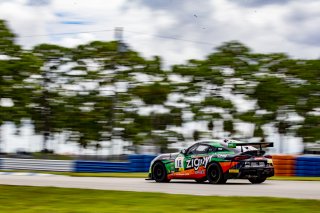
point(214, 143)
point(222, 143)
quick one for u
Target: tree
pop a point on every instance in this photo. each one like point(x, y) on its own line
point(95, 93)
point(48, 103)
point(16, 66)
point(152, 94)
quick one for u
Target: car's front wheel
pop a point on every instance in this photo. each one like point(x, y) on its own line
point(215, 174)
point(159, 173)
point(257, 180)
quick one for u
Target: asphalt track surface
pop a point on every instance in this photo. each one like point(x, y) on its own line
point(271, 188)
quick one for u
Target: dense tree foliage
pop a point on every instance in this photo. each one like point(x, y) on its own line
point(94, 94)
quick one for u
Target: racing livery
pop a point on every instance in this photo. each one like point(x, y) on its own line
point(215, 161)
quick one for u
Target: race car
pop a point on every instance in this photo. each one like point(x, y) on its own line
point(215, 161)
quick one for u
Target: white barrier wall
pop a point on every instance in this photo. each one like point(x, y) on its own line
point(36, 164)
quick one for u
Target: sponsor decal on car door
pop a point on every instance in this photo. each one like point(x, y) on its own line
point(197, 161)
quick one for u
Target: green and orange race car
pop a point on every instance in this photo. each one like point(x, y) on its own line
point(215, 161)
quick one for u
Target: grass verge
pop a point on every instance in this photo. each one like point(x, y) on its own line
point(60, 200)
point(295, 178)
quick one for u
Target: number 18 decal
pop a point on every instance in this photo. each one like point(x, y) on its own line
point(179, 162)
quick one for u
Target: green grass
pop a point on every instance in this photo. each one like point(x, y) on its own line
point(295, 178)
point(60, 200)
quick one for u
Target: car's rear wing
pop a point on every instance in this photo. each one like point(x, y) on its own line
point(234, 144)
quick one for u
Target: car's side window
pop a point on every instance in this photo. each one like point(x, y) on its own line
point(202, 149)
point(192, 149)
point(211, 149)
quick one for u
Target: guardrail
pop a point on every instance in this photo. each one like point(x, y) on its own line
point(308, 166)
point(36, 164)
point(135, 163)
point(285, 165)
point(140, 163)
point(98, 166)
point(293, 165)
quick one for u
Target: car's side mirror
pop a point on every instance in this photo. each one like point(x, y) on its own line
point(183, 151)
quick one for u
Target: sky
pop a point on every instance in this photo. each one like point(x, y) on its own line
point(176, 30)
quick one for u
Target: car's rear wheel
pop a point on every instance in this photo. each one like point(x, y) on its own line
point(159, 173)
point(215, 174)
point(201, 180)
point(257, 180)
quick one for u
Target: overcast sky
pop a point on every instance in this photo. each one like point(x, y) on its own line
point(290, 26)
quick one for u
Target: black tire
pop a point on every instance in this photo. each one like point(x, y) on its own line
point(159, 173)
point(201, 180)
point(215, 174)
point(257, 180)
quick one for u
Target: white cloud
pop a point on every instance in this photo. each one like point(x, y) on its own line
point(77, 39)
point(266, 29)
point(286, 26)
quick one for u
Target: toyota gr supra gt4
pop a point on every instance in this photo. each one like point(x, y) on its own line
point(215, 161)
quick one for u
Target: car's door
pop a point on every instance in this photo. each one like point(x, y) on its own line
point(196, 160)
point(181, 161)
point(197, 156)
point(188, 158)
point(191, 163)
